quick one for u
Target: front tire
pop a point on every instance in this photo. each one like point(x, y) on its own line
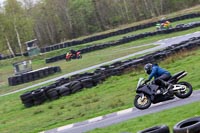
point(187, 92)
point(142, 103)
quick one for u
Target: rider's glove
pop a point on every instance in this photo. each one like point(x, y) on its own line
point(146, 81)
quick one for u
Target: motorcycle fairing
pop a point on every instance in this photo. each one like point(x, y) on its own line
point(148, 89)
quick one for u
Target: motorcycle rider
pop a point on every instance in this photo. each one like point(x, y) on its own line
point(73, 52)
point(160, 75)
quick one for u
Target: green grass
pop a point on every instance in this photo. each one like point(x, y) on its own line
point(169, 117)
point(90, 102)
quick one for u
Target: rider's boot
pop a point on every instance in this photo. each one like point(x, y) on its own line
point(168, 87)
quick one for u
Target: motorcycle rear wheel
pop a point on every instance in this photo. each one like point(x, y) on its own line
point(79, 57)
point(142, 103)
point(186, 93)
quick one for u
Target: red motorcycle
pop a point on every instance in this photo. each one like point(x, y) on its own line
point(70, 56)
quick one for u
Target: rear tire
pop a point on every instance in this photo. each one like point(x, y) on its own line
point(186, 93)
point(142, 103)
point(79, 56)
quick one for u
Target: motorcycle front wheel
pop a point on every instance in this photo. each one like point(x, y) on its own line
point(142, 103)
point(186, 92)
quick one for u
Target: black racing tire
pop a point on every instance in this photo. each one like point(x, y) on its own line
point(46, 72)
point(191, 125)
point(87, 83)
point(39, 96)
point(57, 69)
point(97, 78)
point(145, 105)
point(50, 70)
point(52, 94)
point(29, 104)
point(41, 73)
point(27, 99)
point(78, 57)
point(156, 129)
point(63, 90)
point(61, 81)
point(66, 93)
point(189, 90)
point(38, 93)
point(25, 78)
point(26, 96)
point(75, 86)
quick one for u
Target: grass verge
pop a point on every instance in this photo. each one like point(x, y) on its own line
point(169, 117)
point(90, 102)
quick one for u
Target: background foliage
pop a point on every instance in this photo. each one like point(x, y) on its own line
point(52, 21)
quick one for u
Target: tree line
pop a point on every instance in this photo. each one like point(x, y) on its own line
point(54, 21)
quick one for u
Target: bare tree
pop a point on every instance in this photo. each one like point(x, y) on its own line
point(98, 16)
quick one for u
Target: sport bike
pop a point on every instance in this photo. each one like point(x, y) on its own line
point(152, 93)
point(70, 56)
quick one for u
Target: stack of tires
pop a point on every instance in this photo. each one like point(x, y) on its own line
point(62, 87)
point(32, 75)
point(191, 125)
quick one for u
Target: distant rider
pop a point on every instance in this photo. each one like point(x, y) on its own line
point(73, 52)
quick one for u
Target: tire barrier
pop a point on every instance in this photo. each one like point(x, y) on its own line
point(77, 82)
point(126, 40)
point(191, 125)
point(114, 33)
point(103, 36)
point(4, 57)
point(32, 75)
point(156, 129)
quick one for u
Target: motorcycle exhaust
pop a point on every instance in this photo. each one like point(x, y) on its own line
point(182, 75)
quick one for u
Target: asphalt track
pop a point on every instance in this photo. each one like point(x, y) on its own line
point(161, 44)
point(117, 117)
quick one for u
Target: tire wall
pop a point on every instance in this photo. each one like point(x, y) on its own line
point(32, 75)
point(114, 33)
point(125, 40)
point(76, 83)
point(190, 125)
point(102, 36)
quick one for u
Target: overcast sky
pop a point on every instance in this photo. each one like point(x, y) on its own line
point(1, 1)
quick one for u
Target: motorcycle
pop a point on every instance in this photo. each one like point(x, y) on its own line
point(163, 26)
point(151, 93)
point(70, 56)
